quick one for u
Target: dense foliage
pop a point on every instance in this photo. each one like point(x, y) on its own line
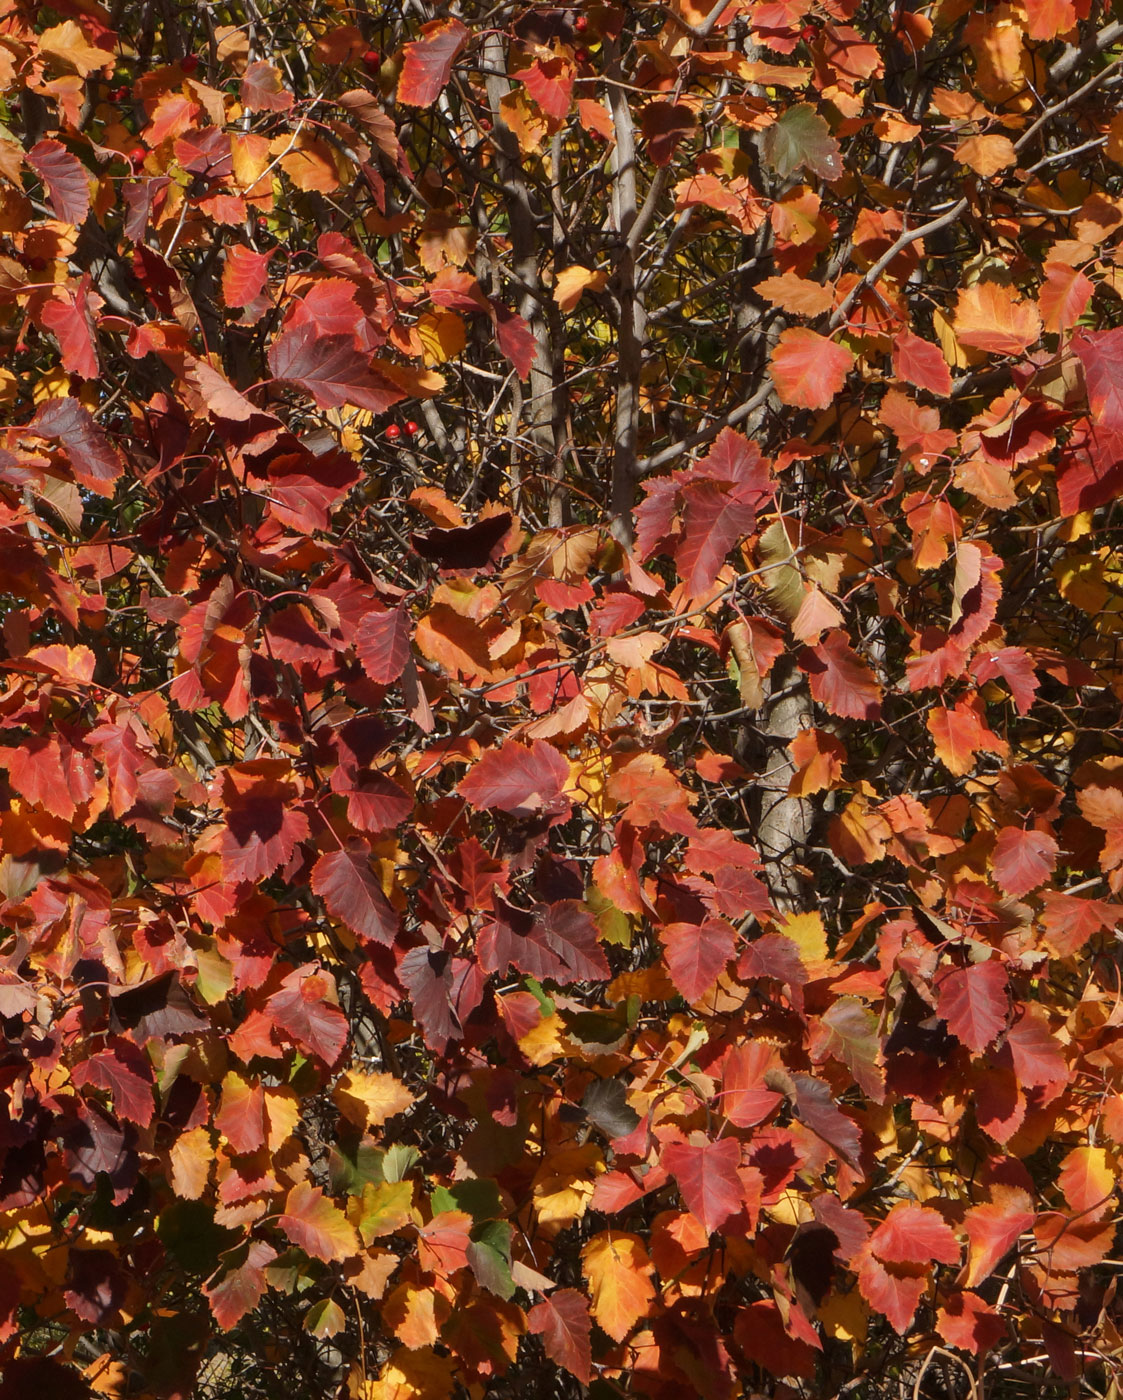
point(561, 794)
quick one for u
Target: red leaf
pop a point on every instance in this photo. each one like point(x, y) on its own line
point(428, 62)
point(707, 1177)
point(1023, 860)
point(67, 316)
point(914, 1234)
point(1038, 1056)
point(351, 892)
point(746, 1099)
point(992, 1231)
point(1101, 354)
point(967, 1322)
point(1064, 296)
point(1069, 922)
point(808, 370)
point(894, 1290)
point(714, 520)
point(382, 644)
point(66, 178)
point(696, 954)
point(50, 773)
point(307, 1017)
point(244, 275)
point(562, 1321)
point(973, 1002)
point(550, 82)
point(127, 1074)
point(519, 780)
point(242, 1285)
point(262, 90)
point(93, 458)
point(921, 363)
point(123, 760)
point(840, 680)
point(514, 338)
point(317, 1225)
point(330, 369)
point(241, 1115)
point(442, 1245)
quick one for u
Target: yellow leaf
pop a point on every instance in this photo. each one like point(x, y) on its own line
point(64, 45)
point(808, 934)
point(409, 1374)
point(191, 1156)
point(573, 281)
point(563, 1184)
point(442, 335)
point(619, 1275)
point(282, 1114)
point(367, 1100)
point(383, 1209)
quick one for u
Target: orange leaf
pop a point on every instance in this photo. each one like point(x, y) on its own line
point(618, 1271)
point(989, 316)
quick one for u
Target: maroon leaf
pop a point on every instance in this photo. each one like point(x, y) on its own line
point(466, 546)
point(558, 941)
point(514, 338)
point(66, 178)
point(815, 1106)
point(330, 369)
point(973, 1002)
point(428, 62)
point(351, 892)
point(126, 1073)
point(707, 1177)
point(444, 991)
point(562, 1320)
point(840, 680)
point(93, 458)
point(519, 780)
point(382, 644)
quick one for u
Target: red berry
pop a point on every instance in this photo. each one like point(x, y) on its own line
point(137, 155)
point(485, 124)
point(808, 33)
point(411, 428)
point(393, 432)
point(372, 60)
point(581, 55)
point(190, 63)
point(581, 23)
point(123, 94)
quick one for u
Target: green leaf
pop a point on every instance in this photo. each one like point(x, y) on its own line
point(489, 1254)
point(802, 137)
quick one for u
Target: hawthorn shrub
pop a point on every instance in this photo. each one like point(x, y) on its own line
point(560, 694)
